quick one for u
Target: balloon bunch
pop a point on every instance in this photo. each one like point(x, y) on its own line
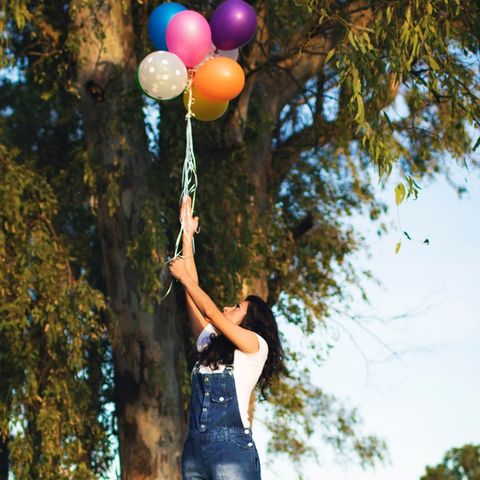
point(197, 57)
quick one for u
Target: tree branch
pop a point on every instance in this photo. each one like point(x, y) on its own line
point(303, 227)
point(288, 152)
point(275, 282)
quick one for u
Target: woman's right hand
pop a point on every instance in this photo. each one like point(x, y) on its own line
point(190, 223)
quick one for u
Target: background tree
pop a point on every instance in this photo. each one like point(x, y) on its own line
point(458, 464)
point(53, 416)
point(280, 176)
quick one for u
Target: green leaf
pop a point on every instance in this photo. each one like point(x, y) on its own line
point(356, 85)
point(351, 39)
point(397, 247)
point(389, 14)
point(330, 54)
point(366, 36)
point(433, 63)
point(47, 95)
point(400, 193)
point(415, 184)
point(360, 116)
point(388, 120)
point(477, 143)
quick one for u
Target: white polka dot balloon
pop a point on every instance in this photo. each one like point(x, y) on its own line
point(162, 75)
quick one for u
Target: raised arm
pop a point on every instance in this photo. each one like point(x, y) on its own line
point(245, 340)
point(197, 320)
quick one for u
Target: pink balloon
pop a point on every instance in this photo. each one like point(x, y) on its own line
point(188, 35)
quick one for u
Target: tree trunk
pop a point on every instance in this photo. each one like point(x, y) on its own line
point(147, 347)
point(4, 458)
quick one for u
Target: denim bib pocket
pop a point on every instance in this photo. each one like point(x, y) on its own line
point(243, 441)
point(220, 398)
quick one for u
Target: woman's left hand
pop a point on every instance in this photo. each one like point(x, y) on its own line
point(178, 268)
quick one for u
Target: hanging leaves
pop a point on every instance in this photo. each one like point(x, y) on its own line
point(51, 338)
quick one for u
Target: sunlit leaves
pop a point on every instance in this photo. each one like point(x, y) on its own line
point(421, 50)
point(52, 410)
point(458, 464)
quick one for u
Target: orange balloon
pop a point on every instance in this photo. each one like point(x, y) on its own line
point(220, 78)
point(204, 108)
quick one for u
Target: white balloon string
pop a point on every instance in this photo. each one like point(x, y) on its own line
point(189, 175)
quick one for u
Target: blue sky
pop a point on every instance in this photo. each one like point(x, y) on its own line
point(426, 400)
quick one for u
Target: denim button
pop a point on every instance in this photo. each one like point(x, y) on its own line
point(221, 399)
point(206, 379)
point(202, 426)
point(250, 444)
point(204, 409)
point(207, 394)
point(246, 430)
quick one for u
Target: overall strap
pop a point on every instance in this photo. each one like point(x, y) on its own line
point(196, 367)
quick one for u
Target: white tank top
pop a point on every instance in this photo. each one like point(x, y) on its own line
point(247, 368)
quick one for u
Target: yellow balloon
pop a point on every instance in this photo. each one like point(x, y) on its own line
point(204, 108)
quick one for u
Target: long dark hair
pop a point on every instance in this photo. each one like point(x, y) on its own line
point(259, 319)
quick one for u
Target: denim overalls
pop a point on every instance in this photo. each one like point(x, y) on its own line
point(218, 446)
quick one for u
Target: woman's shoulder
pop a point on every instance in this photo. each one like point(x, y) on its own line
point(263, 345)
point(261, 354)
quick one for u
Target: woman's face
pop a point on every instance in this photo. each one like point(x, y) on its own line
point(236, 313)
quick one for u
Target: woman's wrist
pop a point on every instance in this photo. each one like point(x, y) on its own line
point(187, 239)
point(185, 279)
point(187, 251)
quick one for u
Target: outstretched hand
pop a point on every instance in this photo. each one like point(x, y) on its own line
point(190, 223)
point(178, 269)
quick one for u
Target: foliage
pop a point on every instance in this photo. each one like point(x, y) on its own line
point(458, 464)
point(277, 189)
point(51, 359)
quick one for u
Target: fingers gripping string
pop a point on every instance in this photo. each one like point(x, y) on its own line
point(189, 174)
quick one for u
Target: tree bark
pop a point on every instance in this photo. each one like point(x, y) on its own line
point(147, 347)
point(4, 458)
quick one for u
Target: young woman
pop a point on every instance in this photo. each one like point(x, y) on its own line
point(239, 348)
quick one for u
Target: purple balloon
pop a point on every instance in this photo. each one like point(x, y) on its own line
point(233, 24)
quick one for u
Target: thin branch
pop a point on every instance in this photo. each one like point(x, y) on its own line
point(303, 227)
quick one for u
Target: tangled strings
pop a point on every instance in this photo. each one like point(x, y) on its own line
point(189, 176)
